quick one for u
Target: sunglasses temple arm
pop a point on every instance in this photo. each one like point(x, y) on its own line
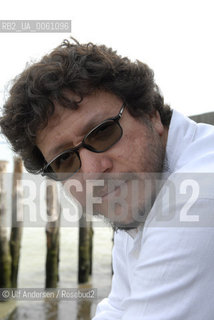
point(121, 110)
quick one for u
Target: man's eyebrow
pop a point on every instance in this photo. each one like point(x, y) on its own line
point(57, 150)
point(90, 125)
point(66, 146)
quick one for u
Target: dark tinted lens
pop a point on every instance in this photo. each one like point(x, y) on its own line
point(64, 166)
point(104, 136)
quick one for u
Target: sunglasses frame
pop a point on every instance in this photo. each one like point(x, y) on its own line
point(82, 144)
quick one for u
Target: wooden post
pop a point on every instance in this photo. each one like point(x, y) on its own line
point(84, 310)
point(5, 258)
point(84, 250)
point(16, 230)
point(52, 236)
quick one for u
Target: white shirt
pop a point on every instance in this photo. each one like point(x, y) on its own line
point(166, 270)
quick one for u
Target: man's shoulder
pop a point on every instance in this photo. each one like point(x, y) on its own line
point(190, 145)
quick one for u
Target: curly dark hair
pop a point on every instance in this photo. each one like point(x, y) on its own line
point(83, 69)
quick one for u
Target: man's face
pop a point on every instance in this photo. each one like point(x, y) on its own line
point(126, 170)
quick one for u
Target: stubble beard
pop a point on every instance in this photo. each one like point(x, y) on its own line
point(153, 174)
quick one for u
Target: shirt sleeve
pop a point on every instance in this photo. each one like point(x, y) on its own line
point(110, 308)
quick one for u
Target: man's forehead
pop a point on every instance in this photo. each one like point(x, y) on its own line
point(95, 103)
point(60, 112)
point(92, 103)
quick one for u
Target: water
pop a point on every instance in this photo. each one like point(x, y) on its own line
point(32, 274)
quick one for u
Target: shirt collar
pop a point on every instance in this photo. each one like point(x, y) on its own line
point(132, 232)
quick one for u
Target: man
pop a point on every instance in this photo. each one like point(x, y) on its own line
point(85, 112)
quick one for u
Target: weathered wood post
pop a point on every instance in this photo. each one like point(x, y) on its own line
point(16, 230)
point(84, 250)
point(5, 258)
point(84, 310)
point(52, 236)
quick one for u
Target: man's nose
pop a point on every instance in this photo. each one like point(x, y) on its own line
point(92, 162)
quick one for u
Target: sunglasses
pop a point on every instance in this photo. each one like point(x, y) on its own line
point(98, 140)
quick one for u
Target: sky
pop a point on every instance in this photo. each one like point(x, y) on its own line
point(175, 38)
